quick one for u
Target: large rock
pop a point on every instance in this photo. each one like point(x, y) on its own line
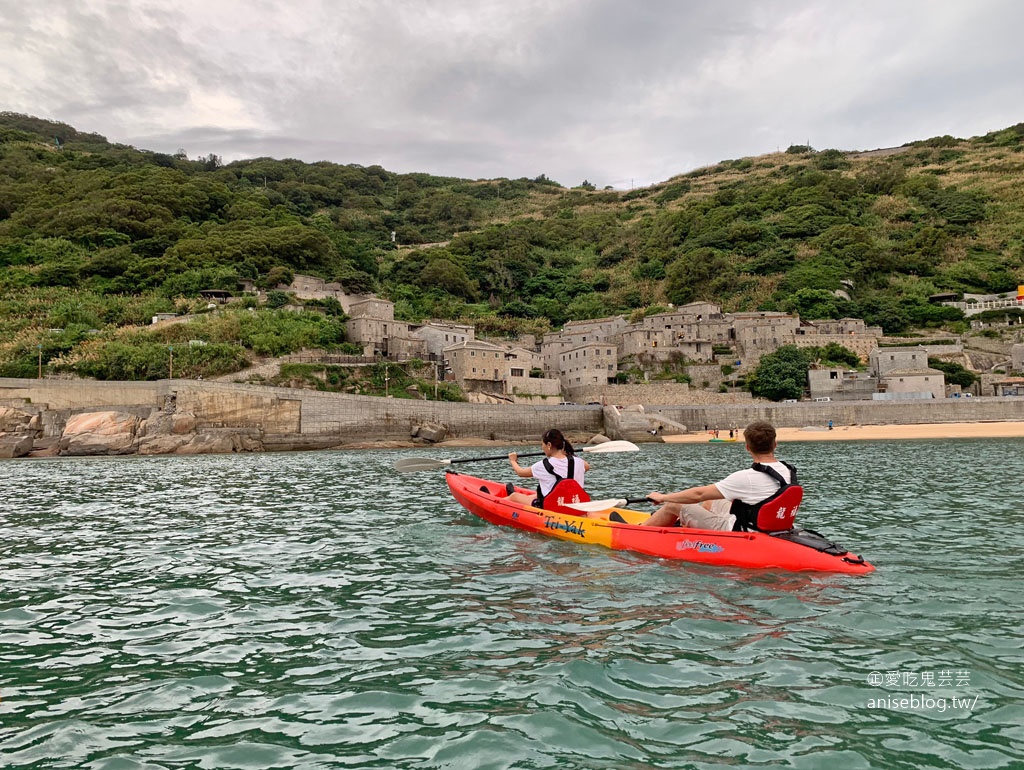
point(99, 433)
point(162, 445)
point(15, 420)
point(431, 431)
point(163, 424)
point(209, 444)
point(45, 447)
point(15, 445)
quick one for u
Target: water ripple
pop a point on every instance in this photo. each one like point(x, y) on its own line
point(319, 610)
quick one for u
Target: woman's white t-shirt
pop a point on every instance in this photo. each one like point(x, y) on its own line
point(561, 466)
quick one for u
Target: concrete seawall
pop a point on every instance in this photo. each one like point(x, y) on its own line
point(285, 418)
point(846, 412)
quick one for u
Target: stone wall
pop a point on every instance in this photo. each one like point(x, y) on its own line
point(235, 417)
point(664, 393)
point(846, 413)
point(286, 418)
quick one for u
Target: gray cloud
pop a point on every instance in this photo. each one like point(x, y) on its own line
point(616, 93)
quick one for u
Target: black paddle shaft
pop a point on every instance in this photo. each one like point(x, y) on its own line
point(495, 457)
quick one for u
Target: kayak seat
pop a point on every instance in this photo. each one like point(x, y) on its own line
point(564, 493)
point(778, 513)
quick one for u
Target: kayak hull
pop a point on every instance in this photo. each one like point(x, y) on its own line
point(755, 550)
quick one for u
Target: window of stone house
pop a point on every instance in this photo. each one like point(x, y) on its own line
point(833, 375)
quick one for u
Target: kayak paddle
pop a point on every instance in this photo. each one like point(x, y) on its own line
point(425, 463)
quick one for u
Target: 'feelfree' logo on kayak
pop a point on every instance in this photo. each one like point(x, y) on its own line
point(699, 545)
point(565, 526)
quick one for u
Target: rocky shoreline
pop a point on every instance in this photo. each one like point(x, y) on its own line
point(44, 418)
point(118, 432)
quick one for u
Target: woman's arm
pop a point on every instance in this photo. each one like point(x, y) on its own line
point(526, 473)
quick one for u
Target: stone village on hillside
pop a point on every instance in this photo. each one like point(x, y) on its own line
point(582, 361)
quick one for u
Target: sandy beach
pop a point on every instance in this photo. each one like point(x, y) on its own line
point(877, 432)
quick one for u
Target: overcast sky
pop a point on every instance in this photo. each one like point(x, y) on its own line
point(618, 92)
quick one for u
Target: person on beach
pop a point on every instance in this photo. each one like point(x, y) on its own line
point(737, 497)
point(560, 466)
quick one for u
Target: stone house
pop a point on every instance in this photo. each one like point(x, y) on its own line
point(904, 373)
point(851, 333)
point(438, 335)
point(595, 363)
point(311, 287)
point(1011, 386)
point(757, 334)
point(478, 365)
point(372, 324)
point(576, 333)
point(521, 361)
point(841, 384)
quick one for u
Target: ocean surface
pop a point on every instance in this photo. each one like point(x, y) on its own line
point(320, 610)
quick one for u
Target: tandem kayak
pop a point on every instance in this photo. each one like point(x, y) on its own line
point(795, 550)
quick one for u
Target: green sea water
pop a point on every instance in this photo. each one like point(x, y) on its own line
point(320, 610)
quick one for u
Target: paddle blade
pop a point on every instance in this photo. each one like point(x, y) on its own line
point(596, 506)
point(411, 464)
point(611, 446)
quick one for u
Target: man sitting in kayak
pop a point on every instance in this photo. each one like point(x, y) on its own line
point(559, 466)
point(716, 506)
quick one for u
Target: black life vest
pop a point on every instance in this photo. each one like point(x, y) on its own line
point(775, 513)
point(566, 490)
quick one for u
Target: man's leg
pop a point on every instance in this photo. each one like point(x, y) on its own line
point(665, 516)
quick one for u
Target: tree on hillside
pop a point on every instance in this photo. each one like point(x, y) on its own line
point(955, 373)
point(782, 374)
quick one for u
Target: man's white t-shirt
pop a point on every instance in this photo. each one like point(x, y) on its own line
point(561, 465)
point(750, 486)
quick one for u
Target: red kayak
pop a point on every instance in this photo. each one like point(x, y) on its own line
point(793, 550)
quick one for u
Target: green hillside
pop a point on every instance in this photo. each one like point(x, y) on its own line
point(96, 237)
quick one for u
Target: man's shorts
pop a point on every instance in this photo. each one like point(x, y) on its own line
point(697, 516)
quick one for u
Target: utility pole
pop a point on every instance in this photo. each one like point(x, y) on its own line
point(170, 366)
point(386, 378)
point(40, 362)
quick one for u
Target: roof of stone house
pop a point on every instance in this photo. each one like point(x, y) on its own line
point(905, 349)
point(911, 372)
point(446, 324)
point(476, 344)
